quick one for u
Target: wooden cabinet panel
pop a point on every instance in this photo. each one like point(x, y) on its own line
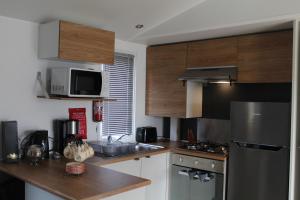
point(165, 95)
point(260, 58)
point(265, 58)
point(212, 53)
point(74, 42)
point(82, 43)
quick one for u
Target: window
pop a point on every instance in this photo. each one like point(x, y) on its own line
point(118, 115)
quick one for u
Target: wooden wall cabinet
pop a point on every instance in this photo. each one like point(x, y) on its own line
point(166, 96)
point(265, 57)
point(74, 42)
point(212, 53)
point(260, 58)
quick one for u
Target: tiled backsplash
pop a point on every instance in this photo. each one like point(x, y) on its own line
point(213, 130)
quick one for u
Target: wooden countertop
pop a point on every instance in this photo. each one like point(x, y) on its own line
point(170, 146)
point(96, 183)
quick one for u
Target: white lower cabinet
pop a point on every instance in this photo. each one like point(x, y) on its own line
point(34, 193)
point(131, 167)
point(154, 168)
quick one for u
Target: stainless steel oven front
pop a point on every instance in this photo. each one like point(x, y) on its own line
point(195, 178)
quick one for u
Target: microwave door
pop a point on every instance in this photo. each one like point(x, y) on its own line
point(86, 83)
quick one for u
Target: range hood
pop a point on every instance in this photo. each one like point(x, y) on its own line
point(210, 74)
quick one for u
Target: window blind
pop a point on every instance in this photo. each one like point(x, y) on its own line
point(118, 115)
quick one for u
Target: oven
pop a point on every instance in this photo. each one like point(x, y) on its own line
point(195, 178)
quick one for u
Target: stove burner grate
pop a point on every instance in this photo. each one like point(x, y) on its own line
point(206, 147)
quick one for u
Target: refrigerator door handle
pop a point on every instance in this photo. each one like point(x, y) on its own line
point(257, 146)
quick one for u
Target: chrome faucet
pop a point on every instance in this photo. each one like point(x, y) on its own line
point(109, 139)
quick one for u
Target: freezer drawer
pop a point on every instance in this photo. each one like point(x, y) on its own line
point(258, 174)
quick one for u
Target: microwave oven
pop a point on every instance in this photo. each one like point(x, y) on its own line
point(77, 82)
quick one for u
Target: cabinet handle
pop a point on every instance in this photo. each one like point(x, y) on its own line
point(148, 156)
point(136, 159)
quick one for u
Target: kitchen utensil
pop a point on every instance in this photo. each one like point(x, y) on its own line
point(78, 152)
point(71, 127)
point(12, 158)
point(75, 168)
point(56, 156)
point(34, 153)
point(39, 138)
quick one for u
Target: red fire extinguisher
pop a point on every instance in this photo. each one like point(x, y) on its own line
point(97, 111)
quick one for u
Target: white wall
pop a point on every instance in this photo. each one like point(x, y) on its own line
point(18, 67)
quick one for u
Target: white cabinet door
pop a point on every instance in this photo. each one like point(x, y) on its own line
point(34, 193)
point(155, 168)
point(131, 167)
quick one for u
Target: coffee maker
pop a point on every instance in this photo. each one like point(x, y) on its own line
point(65, 131)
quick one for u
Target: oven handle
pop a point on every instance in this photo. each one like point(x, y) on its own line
point(184, 172)
point(188, 172)
point(196, 175)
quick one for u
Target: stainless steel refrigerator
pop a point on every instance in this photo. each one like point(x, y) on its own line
point(259, 151)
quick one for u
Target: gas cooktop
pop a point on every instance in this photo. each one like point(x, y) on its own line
point(206, 147)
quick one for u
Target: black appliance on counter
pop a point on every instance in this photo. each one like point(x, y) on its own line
point(40, 138)
point(146, 134)
point(9, 139)
point(10, 187)
point(64, 132)
point(259, 151)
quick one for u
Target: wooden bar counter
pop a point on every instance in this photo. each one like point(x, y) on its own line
point(96, 183)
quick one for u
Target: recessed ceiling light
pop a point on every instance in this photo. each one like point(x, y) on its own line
point(139, 26)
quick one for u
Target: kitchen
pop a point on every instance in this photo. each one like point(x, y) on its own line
point(159, 99)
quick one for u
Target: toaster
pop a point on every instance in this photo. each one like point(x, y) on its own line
point(146, 134)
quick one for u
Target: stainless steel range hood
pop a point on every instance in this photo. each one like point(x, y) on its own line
point(210, 74)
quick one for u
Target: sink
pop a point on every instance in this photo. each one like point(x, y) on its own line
point(140, 147)
point(120, 148)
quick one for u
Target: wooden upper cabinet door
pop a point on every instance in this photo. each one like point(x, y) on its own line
point(212, 53)
point(265, 57)
point(87, 44)
point(165, 94)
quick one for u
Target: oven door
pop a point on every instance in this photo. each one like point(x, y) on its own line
point(193, 184)
point(85, 83)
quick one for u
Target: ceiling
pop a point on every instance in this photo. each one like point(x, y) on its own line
point(164, 21)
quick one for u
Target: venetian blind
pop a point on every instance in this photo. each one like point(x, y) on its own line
point(118, 115)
